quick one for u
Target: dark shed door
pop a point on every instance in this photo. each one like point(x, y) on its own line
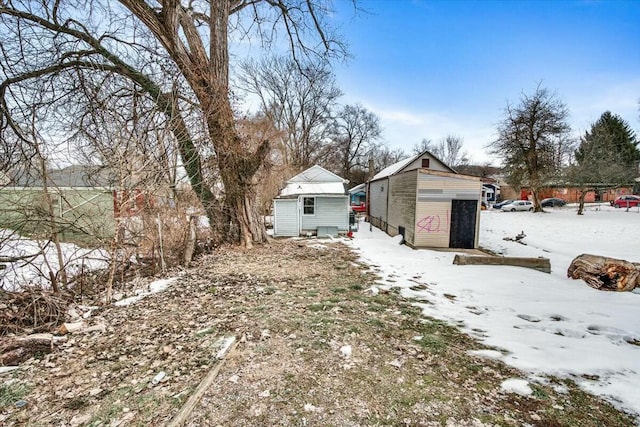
point(463, 224)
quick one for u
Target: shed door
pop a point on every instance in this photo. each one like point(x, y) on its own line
point(463, 224)
point(285, 218)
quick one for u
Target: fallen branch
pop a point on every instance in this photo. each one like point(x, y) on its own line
point(33, 309)
point(226, 346)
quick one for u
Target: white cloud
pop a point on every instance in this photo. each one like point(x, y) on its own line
point(620, 98)
point(403, 129)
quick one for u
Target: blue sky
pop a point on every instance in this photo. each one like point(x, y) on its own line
point(435, 68)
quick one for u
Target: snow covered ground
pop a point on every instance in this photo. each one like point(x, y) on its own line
point(542, 323)
point(41, 257)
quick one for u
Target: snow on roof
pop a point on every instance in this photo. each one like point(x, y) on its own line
point(397, 167)
point(390, 170)
point(317, 174)
point(359, 187)
point(297, 188)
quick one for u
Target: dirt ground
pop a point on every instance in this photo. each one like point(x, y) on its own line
point(315, 347)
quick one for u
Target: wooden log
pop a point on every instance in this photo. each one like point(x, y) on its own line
point(14, 350)
point(607, 274)
point(540, 264)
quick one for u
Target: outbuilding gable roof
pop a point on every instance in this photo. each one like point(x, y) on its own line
point(394, 168)
point(314, 181)
point(317, 174)
point(399, 166)
point(358, 188)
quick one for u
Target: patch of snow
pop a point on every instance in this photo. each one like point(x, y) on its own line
point(318, 246)
point(346, 351)
point(547, 324)
point(374, 290)
point(154, 288)
point(42, 257)
point(308, 407)
point(487, 354)
point(516, 385)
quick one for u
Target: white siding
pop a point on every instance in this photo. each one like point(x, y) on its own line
point(285, 212)
point(434, 164)
point(329, 211)
point(377, 195)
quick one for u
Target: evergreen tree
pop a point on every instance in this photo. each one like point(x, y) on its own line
point(610, 139)
point(607, 156)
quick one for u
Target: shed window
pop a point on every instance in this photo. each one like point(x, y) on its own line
point(309, 205)
point(425, 163)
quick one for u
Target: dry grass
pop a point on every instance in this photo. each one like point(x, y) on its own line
point(296, 308)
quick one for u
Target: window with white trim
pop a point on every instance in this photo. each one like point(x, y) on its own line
point(309, 205)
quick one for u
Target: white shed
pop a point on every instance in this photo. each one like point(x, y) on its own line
point(313, 202)
point(427, 202)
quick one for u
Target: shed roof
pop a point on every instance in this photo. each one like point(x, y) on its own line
point(396, 167)
point(314, 181)
point(360, 187)
point(70, 176)
point(312, 188)
point(399, 166)
point(317, 174)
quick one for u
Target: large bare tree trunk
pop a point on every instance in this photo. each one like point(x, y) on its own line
point(237, 163)
point(208, 76)
point(202, 62)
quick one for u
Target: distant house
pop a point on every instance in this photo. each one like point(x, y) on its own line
point(490, 190)
point(314, 202)
point(427, 202)
point(80, 195)
point(358, 194)
point(571, 193)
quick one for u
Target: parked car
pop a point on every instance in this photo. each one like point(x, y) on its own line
point(518, 205)
point(626, 201)
point(552, 202)
point(502, 203)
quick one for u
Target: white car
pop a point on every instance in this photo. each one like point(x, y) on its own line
point(518, 205)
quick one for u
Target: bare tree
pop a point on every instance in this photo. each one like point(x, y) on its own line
point(424, 145)
point(356, 132)
point(298, 97)
point(449, 149)
point(49, 42)
point(529, 140)
point(382, 156)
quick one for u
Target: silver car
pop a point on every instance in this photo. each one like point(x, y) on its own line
point(518, 205)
